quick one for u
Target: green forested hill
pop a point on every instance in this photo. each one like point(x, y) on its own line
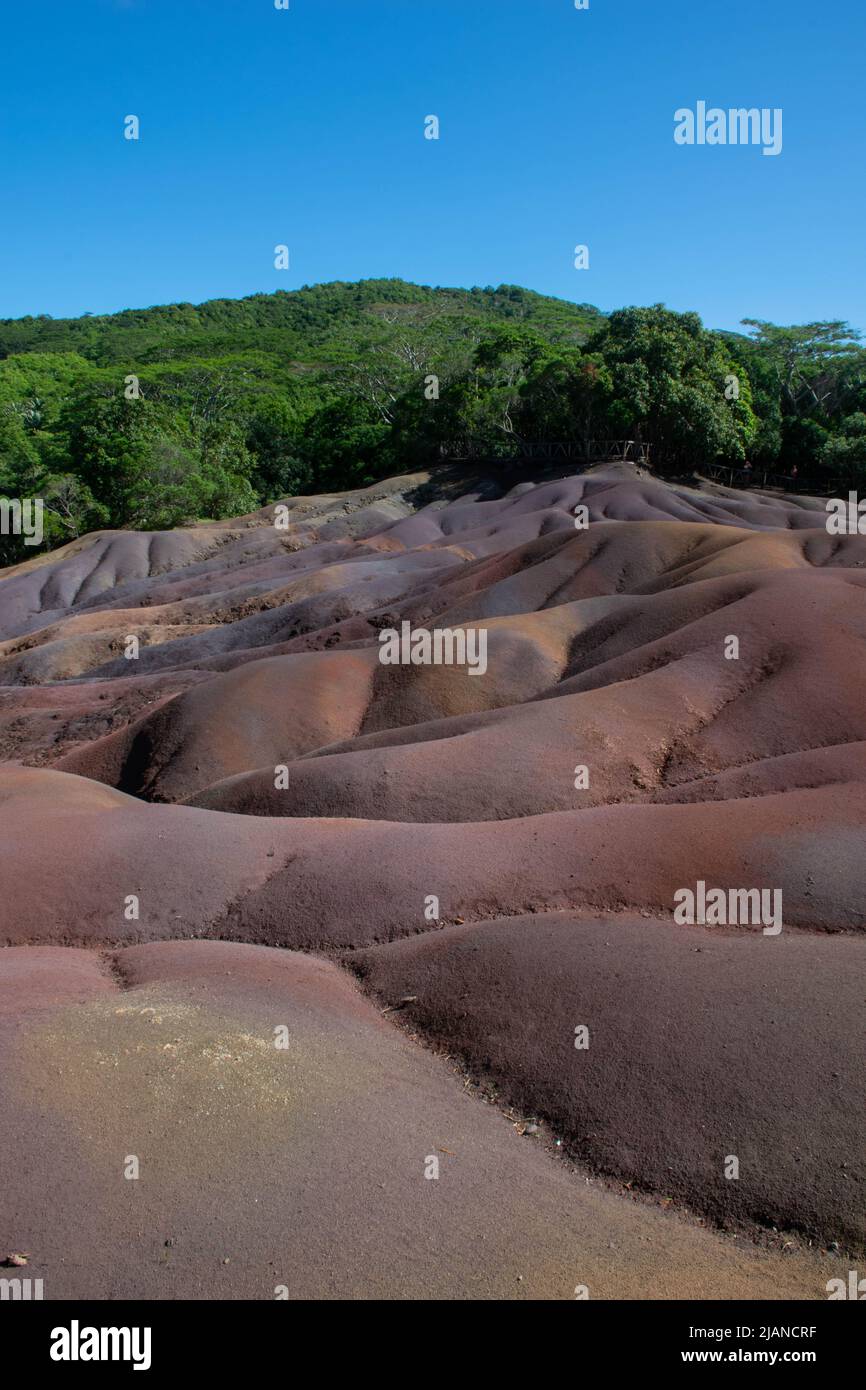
point(320, 323)
point(152, 417)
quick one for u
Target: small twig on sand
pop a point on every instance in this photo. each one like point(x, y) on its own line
point(410, 999)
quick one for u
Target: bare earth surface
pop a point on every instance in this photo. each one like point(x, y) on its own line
point(294, 998)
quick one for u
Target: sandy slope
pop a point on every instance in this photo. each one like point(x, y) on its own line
point(302, 1167)
point(138, 805)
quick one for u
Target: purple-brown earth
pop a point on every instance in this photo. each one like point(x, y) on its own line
point(328, 978)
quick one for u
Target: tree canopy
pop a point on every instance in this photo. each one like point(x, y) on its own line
point(155, 417)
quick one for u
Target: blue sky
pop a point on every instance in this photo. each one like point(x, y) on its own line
point(305, 127)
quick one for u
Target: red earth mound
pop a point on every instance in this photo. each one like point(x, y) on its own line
point(199, 739)
point(157, 1143)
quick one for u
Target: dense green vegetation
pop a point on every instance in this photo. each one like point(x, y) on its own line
point(153, 417)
